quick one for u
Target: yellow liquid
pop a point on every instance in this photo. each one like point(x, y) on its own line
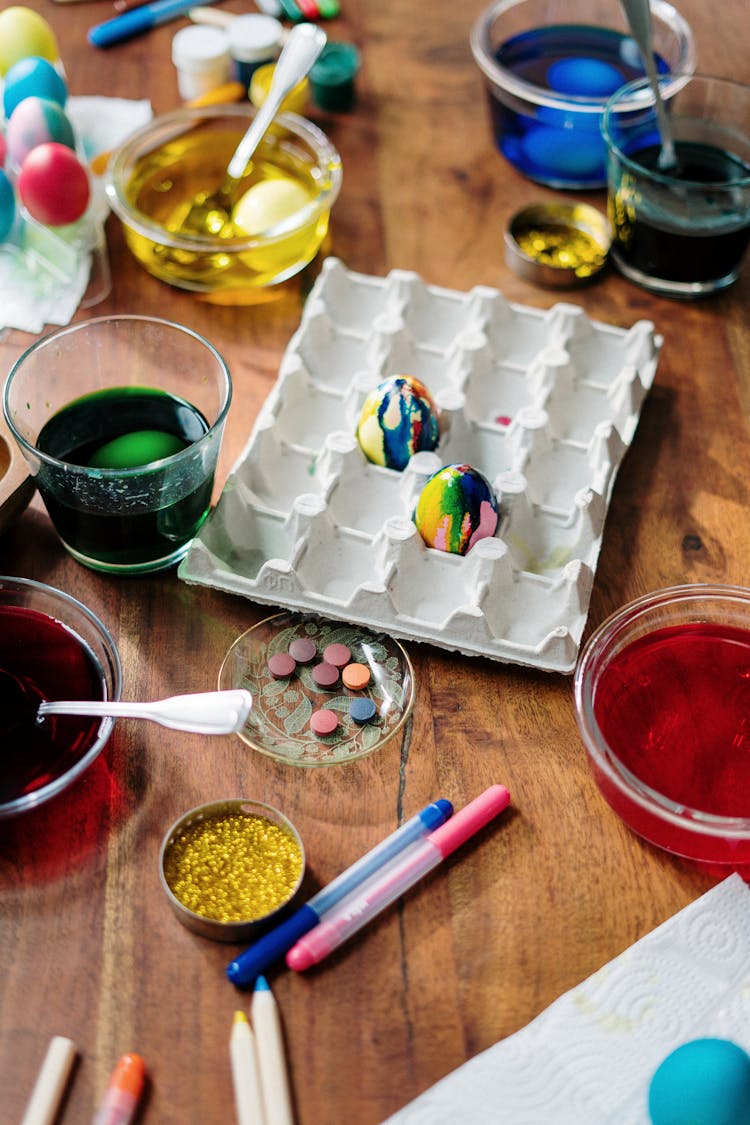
point(166, 181)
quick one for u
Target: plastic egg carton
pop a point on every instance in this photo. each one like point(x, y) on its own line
point(543, 403)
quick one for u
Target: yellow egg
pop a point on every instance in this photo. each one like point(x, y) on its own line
point(268, 203)
point(23, 33)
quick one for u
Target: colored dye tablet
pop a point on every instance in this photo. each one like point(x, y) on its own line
point(281, 665)
point(705, 1081)
point(356, 676)
point(362, 710)
point(338, 655)
point(303, 650)
point(325, 675)
point(323, 722)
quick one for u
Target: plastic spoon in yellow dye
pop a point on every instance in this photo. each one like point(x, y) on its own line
point(210, 213)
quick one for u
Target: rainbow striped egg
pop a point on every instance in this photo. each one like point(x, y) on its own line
point(397, 420)
point(456, 507)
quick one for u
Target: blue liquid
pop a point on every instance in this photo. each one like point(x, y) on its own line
point(563, 148)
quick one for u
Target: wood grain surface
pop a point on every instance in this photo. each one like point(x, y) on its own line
point(88, 945)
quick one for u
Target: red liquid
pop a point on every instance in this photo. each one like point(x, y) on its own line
point(41, 659)
point(675, 708)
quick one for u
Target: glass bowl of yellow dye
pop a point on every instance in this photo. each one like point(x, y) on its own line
point(282, 205)
point(231, 868)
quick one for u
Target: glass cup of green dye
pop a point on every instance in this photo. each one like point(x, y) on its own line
point(120, 420)
point(681, 230)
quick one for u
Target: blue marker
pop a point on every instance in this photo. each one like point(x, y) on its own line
point(138, 20)
point(273, 945)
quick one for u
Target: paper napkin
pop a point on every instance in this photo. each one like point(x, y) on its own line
point(588, 1059)
point(45, 272)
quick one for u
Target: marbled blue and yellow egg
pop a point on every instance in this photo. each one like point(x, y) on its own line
point(36, 121)
point(398, 419)
point(456, 507)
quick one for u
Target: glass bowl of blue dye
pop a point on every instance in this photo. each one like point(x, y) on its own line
point(549, 70)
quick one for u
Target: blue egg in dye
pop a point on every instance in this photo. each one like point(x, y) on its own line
point(7, 206)
point(562, 153)
point(584, 78)
point(703, 1082)
point(32, 77)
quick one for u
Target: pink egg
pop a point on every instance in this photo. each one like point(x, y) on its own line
point(35, 121)
point(53, 185)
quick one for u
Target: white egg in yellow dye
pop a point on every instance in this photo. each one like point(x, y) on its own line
point(268, 203)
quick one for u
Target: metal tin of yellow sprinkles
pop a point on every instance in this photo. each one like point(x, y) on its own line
point(558, 245)
point(230, 866)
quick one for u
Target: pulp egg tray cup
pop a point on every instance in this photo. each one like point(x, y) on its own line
point(543, 403)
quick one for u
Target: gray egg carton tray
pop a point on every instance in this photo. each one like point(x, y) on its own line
point(544, 403)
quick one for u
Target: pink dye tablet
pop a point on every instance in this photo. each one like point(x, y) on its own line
point(325, 675)
point(338, 655)
point(323, 722)
point(303, 650)
point(281, 665)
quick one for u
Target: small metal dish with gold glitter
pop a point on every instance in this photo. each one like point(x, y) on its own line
point(231, 868)
point(558, 245)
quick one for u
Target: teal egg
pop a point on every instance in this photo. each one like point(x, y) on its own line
point(141, 447)
point(703, 1082)
point(32, 77)
point(7, 206)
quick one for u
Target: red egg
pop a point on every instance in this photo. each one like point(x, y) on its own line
point(53, 185)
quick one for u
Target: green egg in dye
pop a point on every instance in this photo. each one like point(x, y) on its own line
point(141, 447)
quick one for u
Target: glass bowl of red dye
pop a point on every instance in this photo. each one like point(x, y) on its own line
point(51, 647)
point(549, 69)
point(662, 696)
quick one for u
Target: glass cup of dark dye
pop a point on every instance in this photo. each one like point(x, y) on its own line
point(681, 232)
point(51, 647)
point(662, 699)
point(120, 419)
point(549, 67)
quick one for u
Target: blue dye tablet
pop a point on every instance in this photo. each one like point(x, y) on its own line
point(584, 78)
point(703, 1082)
point(362, 710)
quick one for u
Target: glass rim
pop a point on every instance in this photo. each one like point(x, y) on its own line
point(185, 454)
point(688, 819)
point(637, 89)
point(506, 80)
point(326, 154)
point(29, 801)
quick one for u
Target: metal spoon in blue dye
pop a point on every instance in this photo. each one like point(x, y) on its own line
point(638, 13)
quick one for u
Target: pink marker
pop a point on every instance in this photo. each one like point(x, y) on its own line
point(360, 906)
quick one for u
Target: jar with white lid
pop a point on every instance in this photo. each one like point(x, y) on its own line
point(254, 40)
point(202, 58)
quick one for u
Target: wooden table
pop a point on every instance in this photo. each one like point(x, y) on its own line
point(89, 946)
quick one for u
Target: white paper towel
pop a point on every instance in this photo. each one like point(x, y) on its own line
point(588, 1059)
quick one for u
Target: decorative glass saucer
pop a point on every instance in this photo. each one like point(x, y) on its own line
point(279, 722)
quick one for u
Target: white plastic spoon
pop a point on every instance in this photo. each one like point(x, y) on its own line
point(209, 712)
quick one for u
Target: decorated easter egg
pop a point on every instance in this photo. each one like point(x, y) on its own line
point(7, 206)
point(33, 122)
point(397, 420)
point(703, 1082)
point(268, 203)
point(456, 507)
point(53, 185)
point(32, 77)
point(24, 32)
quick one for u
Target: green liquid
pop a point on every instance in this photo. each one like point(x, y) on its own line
point(141, 520)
